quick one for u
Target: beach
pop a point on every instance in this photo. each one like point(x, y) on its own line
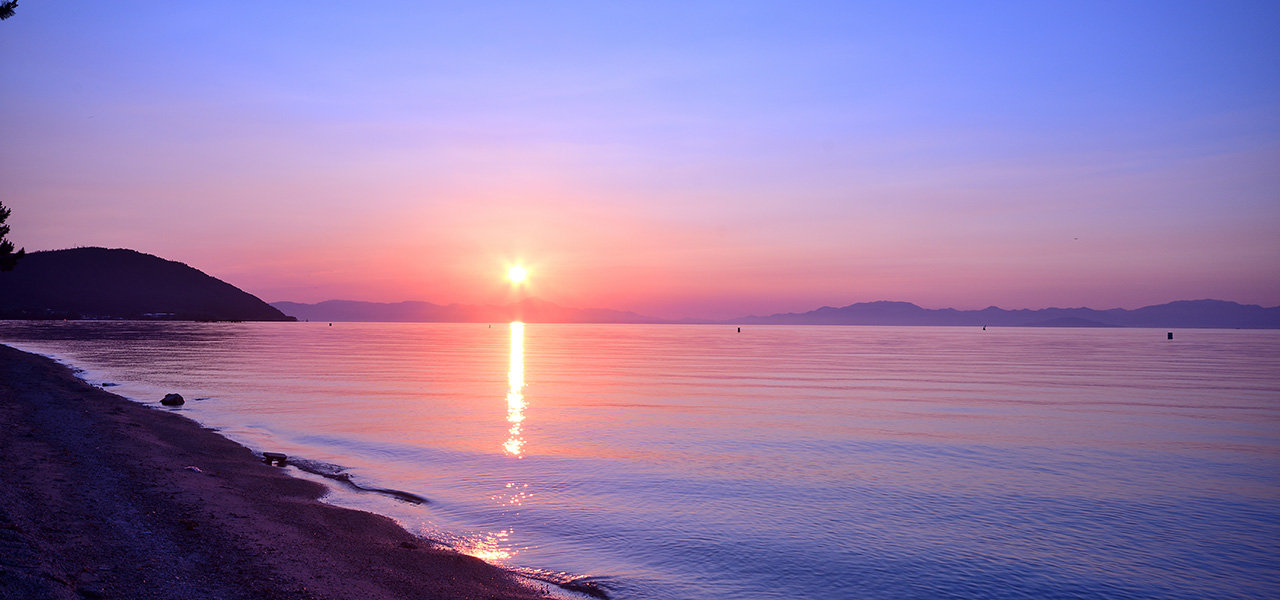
point(105, 498)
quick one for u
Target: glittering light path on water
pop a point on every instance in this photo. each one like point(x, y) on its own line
point(515, 397)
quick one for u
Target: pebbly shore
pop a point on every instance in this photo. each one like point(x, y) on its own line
point(102, 497)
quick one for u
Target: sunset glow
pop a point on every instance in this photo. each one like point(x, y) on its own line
point(824, 299)
point(517, 274)
point(711, 161)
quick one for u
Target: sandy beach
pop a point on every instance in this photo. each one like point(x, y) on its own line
point(106, 498)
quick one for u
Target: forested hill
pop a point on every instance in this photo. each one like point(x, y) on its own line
point(101, 283)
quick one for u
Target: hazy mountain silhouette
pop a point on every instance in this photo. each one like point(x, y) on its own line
point(531, 310)
point(1183, 313)
point(82, 283)
point(87, 283)
point(1193, 313)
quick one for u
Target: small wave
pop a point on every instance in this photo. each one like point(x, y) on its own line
point(582, 584)
point(338, 473)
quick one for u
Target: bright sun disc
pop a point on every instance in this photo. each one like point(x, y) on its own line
point(517, 274)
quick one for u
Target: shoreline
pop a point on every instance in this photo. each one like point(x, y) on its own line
point(103, 497)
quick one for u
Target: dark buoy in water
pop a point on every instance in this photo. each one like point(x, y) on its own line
point(739, 330)
point(1170, 335)
point(984, 327)
point(331, 324)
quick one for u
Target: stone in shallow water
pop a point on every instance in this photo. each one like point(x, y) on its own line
point(274, 458)
point(172, 400)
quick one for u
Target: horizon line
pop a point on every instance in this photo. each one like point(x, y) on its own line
point(753, 315)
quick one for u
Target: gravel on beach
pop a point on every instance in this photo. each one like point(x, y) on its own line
point(97, 500)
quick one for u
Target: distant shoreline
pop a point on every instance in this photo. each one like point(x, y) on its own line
point(104, 497)
point(690, 322)
point(1198, 314)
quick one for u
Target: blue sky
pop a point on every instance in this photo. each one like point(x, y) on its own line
point(675, 159)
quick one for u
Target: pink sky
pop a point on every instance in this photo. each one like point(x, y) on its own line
point(737, 160)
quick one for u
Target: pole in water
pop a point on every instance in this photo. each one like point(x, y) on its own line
point(1170, 335)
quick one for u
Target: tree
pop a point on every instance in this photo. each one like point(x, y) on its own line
point(8, 258)
point(6, 9)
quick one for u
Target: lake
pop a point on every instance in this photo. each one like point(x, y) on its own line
point(697, 462)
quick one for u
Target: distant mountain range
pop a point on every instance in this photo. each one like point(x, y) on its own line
point(87, 283)
point(1184, 313)
point(101, 283)
point(531, 310)
point(1187, 313)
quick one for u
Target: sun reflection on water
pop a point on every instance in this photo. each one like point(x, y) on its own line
point(496, 547)
point(515, 396)
point(487, 547)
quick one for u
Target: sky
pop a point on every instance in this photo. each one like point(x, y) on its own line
point(677, 159)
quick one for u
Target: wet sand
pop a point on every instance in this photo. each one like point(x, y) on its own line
point(98, 500)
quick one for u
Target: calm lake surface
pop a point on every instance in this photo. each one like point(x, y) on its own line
point(694, 462)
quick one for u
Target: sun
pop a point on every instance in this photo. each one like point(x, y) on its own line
point(517, 274)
